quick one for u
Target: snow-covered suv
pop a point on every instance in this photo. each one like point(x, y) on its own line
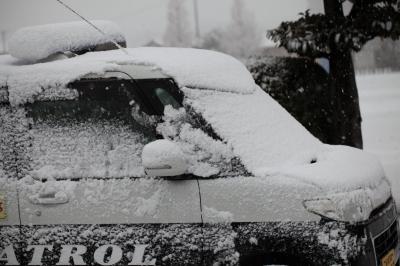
point(168, 156)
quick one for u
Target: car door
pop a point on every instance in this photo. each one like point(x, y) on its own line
point(86, 200)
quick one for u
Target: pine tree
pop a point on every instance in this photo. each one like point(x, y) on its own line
point(241, 38)
point(178, 33)
point(334, 36)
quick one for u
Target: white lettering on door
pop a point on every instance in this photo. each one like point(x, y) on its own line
point(138, 256)
point(8, 256)
point(38, 251)
point(67, 253)
point(116, 255)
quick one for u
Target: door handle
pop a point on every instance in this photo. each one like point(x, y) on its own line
point(52, 198)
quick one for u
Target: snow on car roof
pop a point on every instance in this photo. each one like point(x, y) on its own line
point(194, 68)
point(38, 42)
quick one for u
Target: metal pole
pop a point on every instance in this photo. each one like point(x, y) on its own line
point(196, 18)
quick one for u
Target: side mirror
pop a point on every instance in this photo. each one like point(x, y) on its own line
point(163, 158)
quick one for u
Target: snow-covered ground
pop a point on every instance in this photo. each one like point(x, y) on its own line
point(380, 108)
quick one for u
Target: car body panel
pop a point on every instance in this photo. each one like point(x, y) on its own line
point(118, 201)
point(9, 200)
point(256, 199)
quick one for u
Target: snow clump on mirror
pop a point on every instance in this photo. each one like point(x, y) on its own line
point(205, 155)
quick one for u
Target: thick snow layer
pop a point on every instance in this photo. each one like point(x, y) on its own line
point(337, 168)
point(189, 67)
point(25, 82)
point(199, 68)
point(380, 108)
point(38, 42)
point(260, 131)
point(271, 142)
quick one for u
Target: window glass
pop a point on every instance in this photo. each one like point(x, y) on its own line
point(166, 98)
point(94, 136)
point(161, 93)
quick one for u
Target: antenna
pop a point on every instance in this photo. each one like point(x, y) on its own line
point(93, 26)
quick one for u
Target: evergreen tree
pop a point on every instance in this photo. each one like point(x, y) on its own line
point(241, 38)
point(334, 35)
point(178, 33)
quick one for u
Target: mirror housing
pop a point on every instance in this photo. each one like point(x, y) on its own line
point(163, 158)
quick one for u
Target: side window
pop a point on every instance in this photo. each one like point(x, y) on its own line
point(94, 136)
point(161, 93)
point(166, 98)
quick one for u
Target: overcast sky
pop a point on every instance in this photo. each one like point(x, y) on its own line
point(141, 20)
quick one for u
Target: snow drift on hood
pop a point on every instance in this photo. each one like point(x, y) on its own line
point(258, 128)
point(189, 67)
point(38, 42)
point(270, 142)
point(335, 168)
